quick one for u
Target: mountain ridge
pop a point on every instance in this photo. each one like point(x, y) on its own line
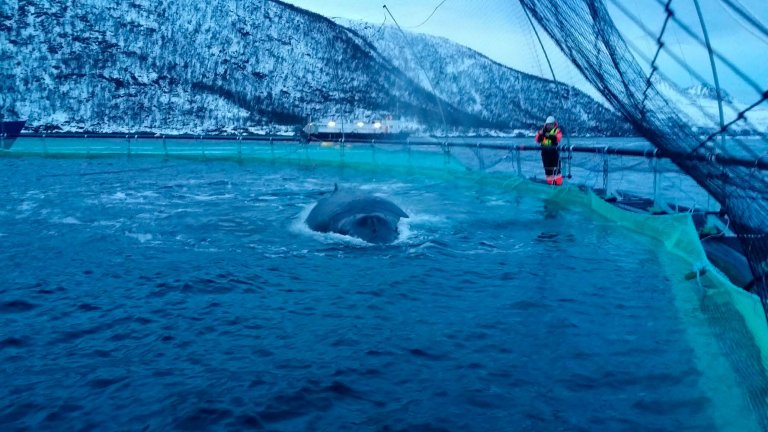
point(230, 66)
point(481, 83)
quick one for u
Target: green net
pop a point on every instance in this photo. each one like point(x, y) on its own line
point(588, 36)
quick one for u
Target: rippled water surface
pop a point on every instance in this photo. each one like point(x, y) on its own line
point(190, 295)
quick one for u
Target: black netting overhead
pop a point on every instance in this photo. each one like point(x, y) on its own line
point(735, 176)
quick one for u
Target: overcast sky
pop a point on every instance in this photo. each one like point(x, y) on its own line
point(500, 30)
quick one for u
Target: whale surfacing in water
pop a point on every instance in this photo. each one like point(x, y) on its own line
point(357, 214)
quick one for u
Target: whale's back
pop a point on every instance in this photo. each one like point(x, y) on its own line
point(331, 212)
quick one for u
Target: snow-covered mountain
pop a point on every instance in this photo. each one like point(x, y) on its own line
point(193, 67)
point(241, 65)
point(481, 86)
point(703, 91)
point(698, 105)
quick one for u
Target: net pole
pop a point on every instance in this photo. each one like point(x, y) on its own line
point(541, 44)
point(714, 69)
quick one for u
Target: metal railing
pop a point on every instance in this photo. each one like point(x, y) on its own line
point(603, 165)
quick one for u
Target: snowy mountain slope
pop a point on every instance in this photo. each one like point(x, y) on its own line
point(698, 104)
point(477, 84)
point(166, 66)
point(238, 65)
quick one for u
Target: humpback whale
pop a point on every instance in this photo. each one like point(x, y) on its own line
point(357, 214)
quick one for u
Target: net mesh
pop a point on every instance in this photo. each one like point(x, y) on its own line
point(588, 36)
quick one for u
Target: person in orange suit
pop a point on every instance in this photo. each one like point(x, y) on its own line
point(549, 137)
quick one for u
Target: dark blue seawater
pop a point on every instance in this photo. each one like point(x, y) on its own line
point(139, 294)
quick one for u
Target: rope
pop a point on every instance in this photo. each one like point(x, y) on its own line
point(544, 50)
point(377, 34)
point(659, 46)
point(430, 15)
point(741, 24)
point(721, 233)
point(739, 9)
point(418, 63)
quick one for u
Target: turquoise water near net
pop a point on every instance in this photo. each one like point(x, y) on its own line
point(190, 295)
